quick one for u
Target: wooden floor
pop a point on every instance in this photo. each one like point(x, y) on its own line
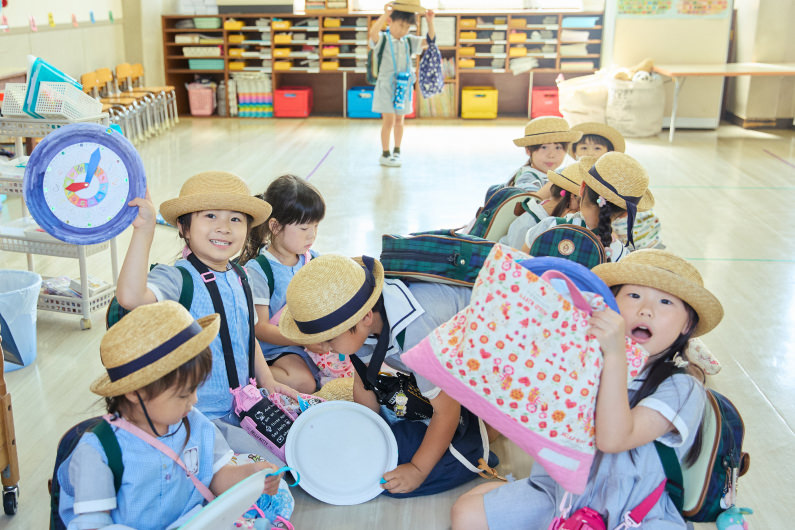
point(725, 199)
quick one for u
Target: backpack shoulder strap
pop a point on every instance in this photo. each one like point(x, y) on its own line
point(381, 50)
point(526, 208)
point(186, 294)
point(673, 473)
point(268, 270)
point(107, 438)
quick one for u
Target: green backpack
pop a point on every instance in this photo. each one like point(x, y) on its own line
point(115, 311)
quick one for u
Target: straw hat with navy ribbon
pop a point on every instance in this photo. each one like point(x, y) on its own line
point(570, 179)
point(621, 180)
point(330, 295)
point(215, 190)
point(603, 130)
point(410, 6)
point(151, 341)
point(547, 130)
point(668, 273)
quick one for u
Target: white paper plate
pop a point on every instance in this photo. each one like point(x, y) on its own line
point(341, 450)
point(228, 507)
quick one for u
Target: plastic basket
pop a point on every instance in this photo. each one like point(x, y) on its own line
point(11, 185)
point(74, 304)
point(207, 22)
point(202, 99)
point(63, 100)
point(48, 248)
point(201, 51)
point(13, 99)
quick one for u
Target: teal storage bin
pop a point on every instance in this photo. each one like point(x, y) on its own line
point(360, 102)
point(206, 64)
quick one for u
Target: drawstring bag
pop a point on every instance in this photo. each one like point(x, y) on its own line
point(520, 357)
point(431, 76)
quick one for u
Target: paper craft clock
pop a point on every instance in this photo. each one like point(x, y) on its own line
point(79, 180)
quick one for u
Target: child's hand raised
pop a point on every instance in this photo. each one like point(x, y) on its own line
point(429, 14)
point(147, 216)
point(388, 9)
point(609, 329)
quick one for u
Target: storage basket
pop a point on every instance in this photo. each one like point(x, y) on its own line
point(332, 22)
point(330, 51)
point(517, 23)
point(331, 38)
point(281, 24)
point(329, 65)
point(466, 63)
point(235, 25)
point(207, 22)
point(201, 51)
point(201, 98)
point(479, 102)
point(236, 39)
point(468, 22)
point(282, 65)
point(466, 51)
point(283, 38)
point(517, 36)
point(468, 35)
point(281, 52)
point(517, 51)
point(13, 99)
point(206, 64)
point(64, 100)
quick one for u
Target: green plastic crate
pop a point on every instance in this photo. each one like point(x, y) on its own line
point(206, 64)
point(207, 22)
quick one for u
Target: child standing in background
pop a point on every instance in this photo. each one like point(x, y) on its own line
point(156, 357)
point(213, 214)
point(546, 140)
point(393, 96)
point(274, 252)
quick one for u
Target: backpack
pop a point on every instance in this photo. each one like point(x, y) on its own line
point(374, 60)
point(705, 489)
point(430, 70)
point(572, 242)
point(66, 446)
point(501, 207)
point(115, 311)
point(441, 256)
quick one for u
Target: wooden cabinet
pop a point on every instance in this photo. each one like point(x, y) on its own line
point(328, 52)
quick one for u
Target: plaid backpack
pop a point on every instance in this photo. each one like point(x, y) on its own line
point(703, 490)
point(431, 75)
point(67, 444)
point(442, 256)
point(501, 208)
point(374, 59)
point(572, 242)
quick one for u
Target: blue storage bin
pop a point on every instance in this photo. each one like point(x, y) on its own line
point(360, 102)
point(578, 22)
point(205, 64)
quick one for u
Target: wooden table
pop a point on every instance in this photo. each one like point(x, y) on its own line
point(680, 72)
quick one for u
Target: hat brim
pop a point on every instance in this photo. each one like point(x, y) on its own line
point(646, 201)
point(258, 209)
point(103, 386)
point(605, 131)
point(703, 302)
point(548, 138)
point(563, 182)
point(289, 328)
point(408, 8)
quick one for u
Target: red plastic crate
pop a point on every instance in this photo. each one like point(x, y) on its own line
point(292, 102)
point(545, 102)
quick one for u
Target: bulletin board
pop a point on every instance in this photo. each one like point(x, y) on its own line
point(674, 8)
point(51, 13)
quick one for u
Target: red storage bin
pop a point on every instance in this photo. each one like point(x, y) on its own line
point(292, 102)
point(545, 102)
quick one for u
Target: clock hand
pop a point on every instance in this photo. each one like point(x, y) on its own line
point(77, 186)
point(93, 163)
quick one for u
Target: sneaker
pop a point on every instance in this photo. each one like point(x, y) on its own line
point(389, 161)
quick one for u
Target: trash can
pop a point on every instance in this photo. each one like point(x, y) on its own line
point(635, 108)
point(19, 292)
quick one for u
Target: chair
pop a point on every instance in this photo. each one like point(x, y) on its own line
point(123, 111)
point(168, 92)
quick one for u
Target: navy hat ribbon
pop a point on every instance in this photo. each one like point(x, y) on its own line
point(632, 203)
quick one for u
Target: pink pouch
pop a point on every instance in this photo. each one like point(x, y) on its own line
point(582, 519)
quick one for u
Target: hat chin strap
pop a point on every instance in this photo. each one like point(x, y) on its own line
point(146, 414)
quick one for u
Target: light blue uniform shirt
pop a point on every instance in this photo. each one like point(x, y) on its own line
point(154, 492)
point(165, 281)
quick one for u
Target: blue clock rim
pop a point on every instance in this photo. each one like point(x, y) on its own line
point(54, 143)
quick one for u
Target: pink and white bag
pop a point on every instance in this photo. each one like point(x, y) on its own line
point(520, 358)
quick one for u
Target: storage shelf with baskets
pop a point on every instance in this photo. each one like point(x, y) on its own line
point(339, 46)
point(26, 127)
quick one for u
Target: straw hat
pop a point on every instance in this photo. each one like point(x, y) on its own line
point(339, 389)
point(625, 175)
point(669, 273)
point(411, 6)
point(547, 130)
point(151, 341)
point(215, 190)
point(603, 130)
point(328, 296)
point(570, 179)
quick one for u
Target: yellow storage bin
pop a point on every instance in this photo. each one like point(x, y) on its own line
point(517, 36)
point(468, 35)
point(500, 21)
point(517, 51)
point(236, 52)
point(281, 24)
point(237, 65)
point(282, 65)
point(468, 23)
point(466, 51)
point(330, 51)
point(329, 65)
point(281, 52)
point(479, 102)
point(332, 22)
point(466, 63)
point(517, 23)
point(331, 38)
point(233, 24)
point(236, 39)
point(282, 38)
